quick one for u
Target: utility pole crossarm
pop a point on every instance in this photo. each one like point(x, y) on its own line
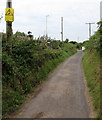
point(90, 23)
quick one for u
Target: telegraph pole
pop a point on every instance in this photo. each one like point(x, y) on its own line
point(9, 23)
point(90, 28)
point(46, 27)
point(100, 28)
point(62, 29)
point(9, 18)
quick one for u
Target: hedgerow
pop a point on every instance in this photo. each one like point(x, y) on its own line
point(26, 65)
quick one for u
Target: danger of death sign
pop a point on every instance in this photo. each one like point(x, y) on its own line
point(9, 14)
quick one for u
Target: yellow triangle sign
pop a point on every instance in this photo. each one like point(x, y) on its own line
point(9, 14)
point(9, 11)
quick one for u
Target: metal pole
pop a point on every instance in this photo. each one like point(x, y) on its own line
point(9, 24)
point(62, 29)
point(90, 28)
point(46, 26)
point(101, 11)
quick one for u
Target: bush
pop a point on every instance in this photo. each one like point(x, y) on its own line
point(27, 66)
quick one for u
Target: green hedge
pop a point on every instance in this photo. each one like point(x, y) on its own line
point(26, 67)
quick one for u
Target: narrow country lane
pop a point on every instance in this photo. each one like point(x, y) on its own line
point(62, 95)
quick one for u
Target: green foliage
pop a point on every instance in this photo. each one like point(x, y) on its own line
point(73, 42)
point(67, 40)
point(79, 46)
point(27, 66)
point(4, 38)
point(55, 44)
point(19, 34)
point(91, 63)
point(11, 100)
point(95, 41)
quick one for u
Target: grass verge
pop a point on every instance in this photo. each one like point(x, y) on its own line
point(91, 65)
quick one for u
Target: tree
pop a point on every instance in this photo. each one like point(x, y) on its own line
point(73, 42)
point(67, 40)
point(30, 35)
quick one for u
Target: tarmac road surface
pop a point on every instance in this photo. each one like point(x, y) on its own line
point(62, 95)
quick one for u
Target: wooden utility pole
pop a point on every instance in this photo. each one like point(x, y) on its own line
point(90, 28)
point(9, 23)
point(9, 18)
point(62, 29)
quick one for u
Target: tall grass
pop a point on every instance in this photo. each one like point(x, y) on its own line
point(91, 64)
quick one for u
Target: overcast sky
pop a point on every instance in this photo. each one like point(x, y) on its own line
point(30, 15)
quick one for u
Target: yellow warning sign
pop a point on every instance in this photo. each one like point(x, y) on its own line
point(9, 14)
